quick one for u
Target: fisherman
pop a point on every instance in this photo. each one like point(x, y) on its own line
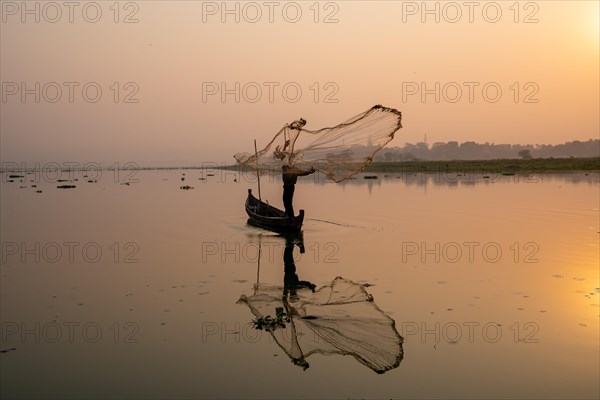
point(290, 176)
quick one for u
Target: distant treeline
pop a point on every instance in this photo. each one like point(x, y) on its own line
point(487, 151)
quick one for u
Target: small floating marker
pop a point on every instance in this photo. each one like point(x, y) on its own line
point(7, 350)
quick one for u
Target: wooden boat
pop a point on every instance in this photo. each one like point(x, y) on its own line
point(262, 215)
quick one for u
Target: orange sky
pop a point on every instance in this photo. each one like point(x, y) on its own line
point(179, 54)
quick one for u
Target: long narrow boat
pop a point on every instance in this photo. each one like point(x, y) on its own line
point(263, 215)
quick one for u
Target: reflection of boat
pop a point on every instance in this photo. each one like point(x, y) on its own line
point(339, 318)
point(265, 216)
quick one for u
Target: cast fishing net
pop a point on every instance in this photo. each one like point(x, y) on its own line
point(339, 152)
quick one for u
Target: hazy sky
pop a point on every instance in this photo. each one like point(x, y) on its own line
point(178, 57)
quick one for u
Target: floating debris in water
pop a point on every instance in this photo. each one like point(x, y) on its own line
point(66, 187)
point(183, 179)
point(7, 350)
point(38, 191)
point(186, 187)
point(370, 177)
point(269, 323)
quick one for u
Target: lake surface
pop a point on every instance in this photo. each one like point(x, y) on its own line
point(114, 290)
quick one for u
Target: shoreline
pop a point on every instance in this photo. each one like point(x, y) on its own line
point(506, 166)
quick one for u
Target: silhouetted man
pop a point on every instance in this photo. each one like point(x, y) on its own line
point(290, 176)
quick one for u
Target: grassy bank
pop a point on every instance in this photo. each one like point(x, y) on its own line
point(506, 166)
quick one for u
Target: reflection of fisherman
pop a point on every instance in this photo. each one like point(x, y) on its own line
point(290, 176)
point(291, 282)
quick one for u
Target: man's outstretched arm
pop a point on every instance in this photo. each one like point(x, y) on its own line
point(300, 172)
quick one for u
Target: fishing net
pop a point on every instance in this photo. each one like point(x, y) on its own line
point(338, 152)
point(339, 318)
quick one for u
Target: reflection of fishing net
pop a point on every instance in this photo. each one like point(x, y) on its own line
point(339, 152)
point(340, 318)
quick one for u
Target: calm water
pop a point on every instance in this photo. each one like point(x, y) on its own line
point(112, 290)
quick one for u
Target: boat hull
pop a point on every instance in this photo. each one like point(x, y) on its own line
point(263, 215)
